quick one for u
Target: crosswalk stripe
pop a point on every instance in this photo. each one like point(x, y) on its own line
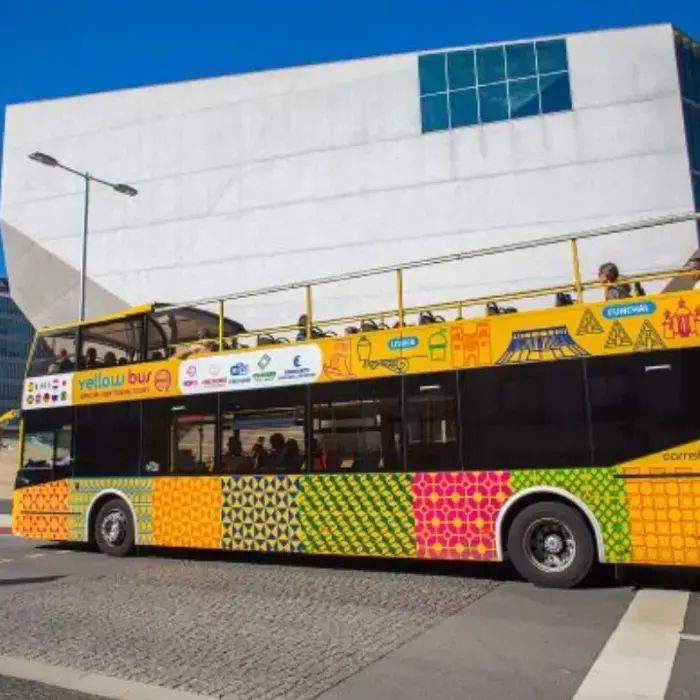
point(690, 637)
point(637, 660)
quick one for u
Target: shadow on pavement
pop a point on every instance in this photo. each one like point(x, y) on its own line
point(603, 576)
point(24, 581)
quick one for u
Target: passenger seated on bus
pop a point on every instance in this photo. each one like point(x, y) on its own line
point(291, 457)
point(63, 363)
point(609, 274)
point(233, 461)
point(91, 358)
point(277, 445)
point(156, 355)
point(259, 455)
point(315, 332)
point(426, 317)
point(110, 359)
point(493, 309)
point(122, 361)
point(563, 299)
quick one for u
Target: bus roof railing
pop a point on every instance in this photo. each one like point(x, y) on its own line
point(400, 311)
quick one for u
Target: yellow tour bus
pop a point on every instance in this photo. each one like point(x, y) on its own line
point(554, 437)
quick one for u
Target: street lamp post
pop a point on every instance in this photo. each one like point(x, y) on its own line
point(128, 190)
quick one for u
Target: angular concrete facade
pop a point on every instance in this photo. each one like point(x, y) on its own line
point(253, 180)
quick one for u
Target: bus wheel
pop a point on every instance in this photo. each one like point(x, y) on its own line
point(550, 545)
point(114, 528)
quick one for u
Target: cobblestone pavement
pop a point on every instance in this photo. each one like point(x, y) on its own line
point(228, 629)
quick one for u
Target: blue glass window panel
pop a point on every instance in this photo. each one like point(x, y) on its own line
point(551, 56)
point(520, 60)
point(556, 92)
point(431, 73)
point(688, 61)
point(490, 64)
point(460, 69)
point(494, 102)
point(433, 110)
point(696, 191)
point(524, 98)
point(463, 108)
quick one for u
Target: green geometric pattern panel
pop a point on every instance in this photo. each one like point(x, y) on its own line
point(598, 488)
point(81, 492)
point(358, 514)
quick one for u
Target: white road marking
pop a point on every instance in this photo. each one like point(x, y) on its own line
point(34, 556)
point(6, 561)
point(62, 551)
point(85, 682)
point(5, 520)
point(637, 660)
point(690, 637)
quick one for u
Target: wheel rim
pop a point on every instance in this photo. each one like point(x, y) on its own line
point(113, 528)
point(550, 545)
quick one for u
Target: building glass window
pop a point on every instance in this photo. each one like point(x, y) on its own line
point(511, 80)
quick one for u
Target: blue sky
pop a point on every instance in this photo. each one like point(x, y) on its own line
point(50, 48)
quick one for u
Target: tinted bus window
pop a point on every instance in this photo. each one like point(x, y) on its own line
point(357, 426)
point(525, 416)
point(54, 353)
point(111, 344)
point(264, 431)
point(431, 419)
point(640, 404)
point(107, 440)
point(47, 446)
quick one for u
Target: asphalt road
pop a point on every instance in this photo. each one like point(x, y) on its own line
point(260, 627)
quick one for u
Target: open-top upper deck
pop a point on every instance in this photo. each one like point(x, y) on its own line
point(162, 350)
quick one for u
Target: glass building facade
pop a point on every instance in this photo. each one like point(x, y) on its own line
point(15, 337)
point(688, 58)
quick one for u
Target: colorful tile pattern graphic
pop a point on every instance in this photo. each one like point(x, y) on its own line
point(664, 516)
point(260, 513)
point(600, 491)
point(41, 512)
point(187, 511)
point(357, 514)
point(82, 492)
point(455, 513)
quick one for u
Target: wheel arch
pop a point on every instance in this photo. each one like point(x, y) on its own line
point(98, 500)
point(533, 494)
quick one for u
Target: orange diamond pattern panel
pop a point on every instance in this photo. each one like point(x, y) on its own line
point(187, 512)
point(664, 520)
point(41, 512)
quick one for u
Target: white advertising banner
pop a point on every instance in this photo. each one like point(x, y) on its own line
point(47, 392)
point(257, 369)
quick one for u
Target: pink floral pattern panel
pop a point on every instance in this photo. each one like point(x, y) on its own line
point(456, 512)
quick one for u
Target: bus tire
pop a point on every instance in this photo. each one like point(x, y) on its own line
point(551, 545)
point(114, 528)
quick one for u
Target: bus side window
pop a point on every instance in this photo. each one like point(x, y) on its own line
point(110, 344)
point(637, 405)
point(432, 423)
point(525, 416)
point(264, 432)
point(47, 446)
point(357, 426)
point(54, 353)
point(107, 438)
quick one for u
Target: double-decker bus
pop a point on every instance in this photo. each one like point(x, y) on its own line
point(555, 437)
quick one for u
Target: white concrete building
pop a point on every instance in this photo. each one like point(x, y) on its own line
point(252, 180)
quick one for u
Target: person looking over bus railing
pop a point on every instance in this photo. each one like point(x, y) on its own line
point(609, 274)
